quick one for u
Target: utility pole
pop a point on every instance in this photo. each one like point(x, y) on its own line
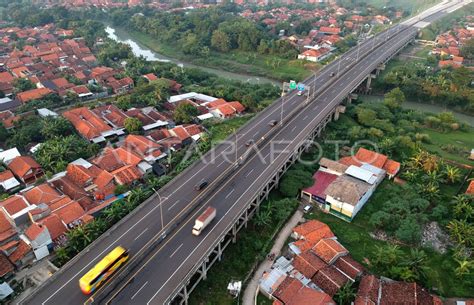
point(161, 208)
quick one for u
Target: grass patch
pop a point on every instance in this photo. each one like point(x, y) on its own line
point(236, 61)
point(263, 300)
point(454, 145)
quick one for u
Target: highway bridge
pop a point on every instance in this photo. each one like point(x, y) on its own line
point(167, 261)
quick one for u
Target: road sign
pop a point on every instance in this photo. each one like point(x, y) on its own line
point(292, 85)
point(301, 87)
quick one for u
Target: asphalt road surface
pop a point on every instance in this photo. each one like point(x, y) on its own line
point(162, 270)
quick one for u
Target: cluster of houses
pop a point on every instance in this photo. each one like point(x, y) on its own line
point(55, 63)
point(318, 266)
point(38, 213)
point(342, 187)
point(331, 25)
point(448, 45)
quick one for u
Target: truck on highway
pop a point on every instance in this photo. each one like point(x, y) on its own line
point(203, 220)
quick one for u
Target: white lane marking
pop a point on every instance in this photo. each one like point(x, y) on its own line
point(100, 254)
point(293, 129)
point(249, 172)
point(305, 117)
point(235, 202)
point(138, 236)
point(175, 251)
point(173, 204)
point(227, 196)
point(139, 290)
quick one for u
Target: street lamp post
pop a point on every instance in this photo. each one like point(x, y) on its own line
point(161, 207)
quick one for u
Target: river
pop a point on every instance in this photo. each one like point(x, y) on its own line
point(121, 35)
point(462, 117)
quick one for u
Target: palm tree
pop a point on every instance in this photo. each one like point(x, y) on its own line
point(464, 267)
point(62, 256)
point(452, 174)
point(345, 295)
point(417, 262)
point(263, 217)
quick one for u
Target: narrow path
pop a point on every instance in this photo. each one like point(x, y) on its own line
point(249, 293)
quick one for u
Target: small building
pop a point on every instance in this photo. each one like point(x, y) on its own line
point(39, 239)
point(8, 182)
point(8, 155)
point(26, 169)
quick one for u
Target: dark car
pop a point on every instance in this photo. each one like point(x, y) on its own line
point(273, 123)
point(332, 74)
point(249, 143)
point(202, 184)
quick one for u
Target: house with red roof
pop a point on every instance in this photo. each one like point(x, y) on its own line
point(373, 290)
point(26, 169)
point(150, 77)
point(112, 115)
point(6, 267)
point(315, 55)
point(39, 239)
point(92, 126)
point(16, 207)
point(8, 182)
point(329, 250)
point(56, 228)
point(470, 188)
point(330, 280)
point(150, 118)
point(148, 149)
point(21, 255)
point(8, 233)
point(123, 164)
point(33, 94)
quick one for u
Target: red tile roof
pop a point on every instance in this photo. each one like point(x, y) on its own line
point(180, 132)
point(6, 266)
point(349, 266)
point(20, 252)
point(5, 175)
point(150, 77)
point(287, 289)
point(112, 114)
point(470, 188)
point(33, 94)
point(42, 193)
point(127, 174)
point(311, 226)
point(34, 231)
point(216, 103)
point(371, 157)
point(368, 291)
point(6, 228)
point(391, 167)
point(21, 165)
point(14, 204)
point(71, 212)
point(239, 108)
point(309, 296)
point(87, 123)
point(55, 226)
point(226, 109)
point(308, 264)
point(141, 144)
point(329, 249)
point(330, 280)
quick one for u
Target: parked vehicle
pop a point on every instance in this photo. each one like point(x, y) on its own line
point(307, 208)
point(203, 220)
point(202, 184)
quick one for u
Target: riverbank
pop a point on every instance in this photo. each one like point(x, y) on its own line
point(425, 107)
point(247, 64)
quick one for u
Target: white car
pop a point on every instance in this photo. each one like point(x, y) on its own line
point(300, 92)
point(307, 208)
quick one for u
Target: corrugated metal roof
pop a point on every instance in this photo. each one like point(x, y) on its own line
point(362, 174)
